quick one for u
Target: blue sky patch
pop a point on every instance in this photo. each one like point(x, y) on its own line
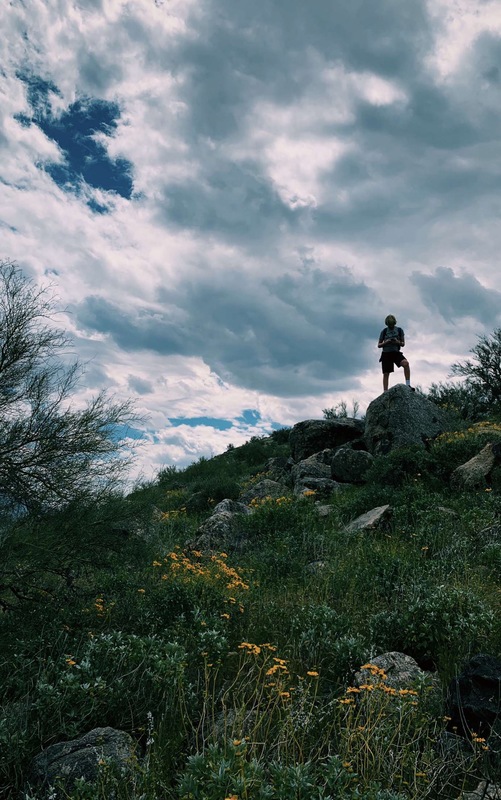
point(74, 130)
point(249, 416)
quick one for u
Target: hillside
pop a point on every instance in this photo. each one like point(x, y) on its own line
point(227, 640)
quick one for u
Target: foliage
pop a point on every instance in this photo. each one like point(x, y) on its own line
point(50, 453)
point(453, 448)
point(340, 410)
point(462, 401)
point(483, 371)
point(399, 466)
point(234, 672)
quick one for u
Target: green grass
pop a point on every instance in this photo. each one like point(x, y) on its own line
point(230, 670)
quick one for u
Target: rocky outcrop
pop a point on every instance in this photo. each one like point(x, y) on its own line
point(375, 518)
point(349, 465)
point(399, 418)
point(64, 763)
point(223, 529)
point(475, 474)
point(313, 435)
point(313, 474)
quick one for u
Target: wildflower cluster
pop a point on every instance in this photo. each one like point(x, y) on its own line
point(101, 607)
point(478, 428)
point(195, 566)
point(257, 502)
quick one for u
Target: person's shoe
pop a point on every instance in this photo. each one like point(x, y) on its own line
point(412, 388)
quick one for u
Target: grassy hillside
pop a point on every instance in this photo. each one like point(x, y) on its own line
point(232, 670)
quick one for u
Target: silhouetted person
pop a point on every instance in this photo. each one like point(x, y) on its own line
point(391, 339)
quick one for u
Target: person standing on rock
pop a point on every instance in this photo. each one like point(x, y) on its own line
point(391, 339)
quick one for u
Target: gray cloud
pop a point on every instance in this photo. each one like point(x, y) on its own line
point(139, 385)
point(456, 297)
point(296, 335)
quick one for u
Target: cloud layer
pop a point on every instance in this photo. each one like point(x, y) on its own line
point(231, 197)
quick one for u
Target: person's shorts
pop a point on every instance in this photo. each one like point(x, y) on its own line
point(391, 358)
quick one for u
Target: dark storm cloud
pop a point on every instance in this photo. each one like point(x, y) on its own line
point(456, 297)
point(295, 335)
point(234, 200)
point(242, 50)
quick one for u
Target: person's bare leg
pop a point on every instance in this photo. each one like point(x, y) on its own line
point(386, 377)
point(407, 369)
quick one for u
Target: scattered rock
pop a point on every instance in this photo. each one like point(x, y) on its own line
point(375, 518)
point(313, 435)
point(449, 511)
point(399, 418)
point(66, 762)
point(475, 474)
point(324, 510)
point(349, 465)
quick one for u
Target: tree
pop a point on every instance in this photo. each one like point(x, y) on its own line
point(483, 373)
point(51, 453)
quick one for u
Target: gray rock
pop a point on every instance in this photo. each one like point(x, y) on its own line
point(323, 487)
point(232, 506)
point(399, 418)
point(375, 518)
point(475, 473)
point(262, 490)
point(349, 465)
point(313, 435)
point(66, 762)
point(313, 467)
point(484, 791)
point(221, 530)
point(401, 670)
point(324, 510)
point(279, 469)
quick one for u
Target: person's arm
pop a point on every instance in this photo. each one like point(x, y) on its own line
point(382, 340)
point(402, 339)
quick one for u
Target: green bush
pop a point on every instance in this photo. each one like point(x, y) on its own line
point(439, 624)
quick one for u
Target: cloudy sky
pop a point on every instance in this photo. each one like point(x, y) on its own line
point(229, 196)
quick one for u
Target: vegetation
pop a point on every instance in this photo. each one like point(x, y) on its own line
point(235, 671)
point(50, 452)
point(478, 396)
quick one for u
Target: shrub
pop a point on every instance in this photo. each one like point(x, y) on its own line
point(442, 624)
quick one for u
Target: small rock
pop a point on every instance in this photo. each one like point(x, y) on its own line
point(375, 518)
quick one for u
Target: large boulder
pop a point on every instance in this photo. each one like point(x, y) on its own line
point(349, 465)
point(399, 418)
point(64, 763)
point(313, 435)
point(476, 473)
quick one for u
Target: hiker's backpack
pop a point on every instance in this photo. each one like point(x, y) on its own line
point(399, 331)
